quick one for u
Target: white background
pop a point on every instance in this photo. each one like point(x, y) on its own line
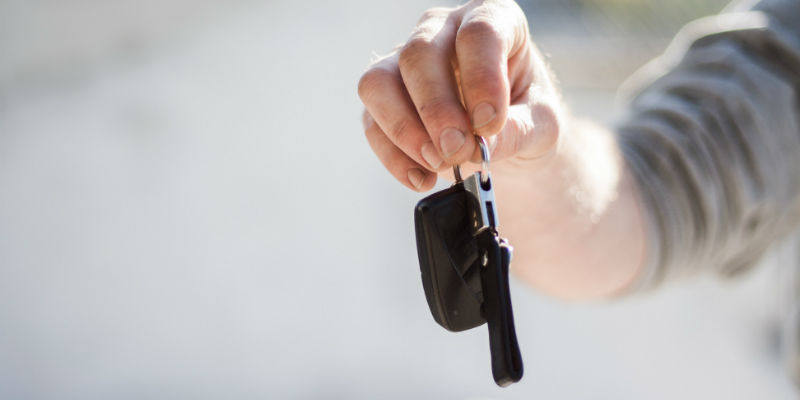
point(188, 209)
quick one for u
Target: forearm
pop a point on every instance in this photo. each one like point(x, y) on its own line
point(573, 216)
point(713, 143)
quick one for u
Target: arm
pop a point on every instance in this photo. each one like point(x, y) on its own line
point(591, 214)
point(713, 139)
point(564, 194)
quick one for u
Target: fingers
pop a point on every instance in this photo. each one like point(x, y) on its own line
point(427, 72)
point(450, 80)
point(489, 35)
point(397, 162)
point(387, 101)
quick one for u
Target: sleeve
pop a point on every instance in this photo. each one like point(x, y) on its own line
point(713, 141)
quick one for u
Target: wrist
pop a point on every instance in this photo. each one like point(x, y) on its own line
point(573, 215)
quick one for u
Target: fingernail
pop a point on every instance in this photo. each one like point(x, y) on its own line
point(431, 156)
point(451, 141)
point(482, 115)
point(416, 177)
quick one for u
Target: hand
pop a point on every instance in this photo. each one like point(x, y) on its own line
point(568, 203)
point(464, 71)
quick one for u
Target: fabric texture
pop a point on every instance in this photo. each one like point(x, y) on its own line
point(712, 136)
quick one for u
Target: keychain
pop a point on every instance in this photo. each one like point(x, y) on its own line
point(464, 264)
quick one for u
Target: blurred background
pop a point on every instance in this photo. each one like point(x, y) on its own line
point(189, 209)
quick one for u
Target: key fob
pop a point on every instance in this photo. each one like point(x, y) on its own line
point(494, 254)
point(464, 265)
point(448, 259)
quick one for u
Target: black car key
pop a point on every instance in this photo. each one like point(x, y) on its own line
point(448, 256)
point(464, 265)
point(494, 254)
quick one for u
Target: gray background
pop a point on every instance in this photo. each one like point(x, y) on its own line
point(188, 209)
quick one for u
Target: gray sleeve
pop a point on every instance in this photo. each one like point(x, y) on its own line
point(713, 141)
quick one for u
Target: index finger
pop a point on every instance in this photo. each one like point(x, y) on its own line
point(489, 35)
point(426, 68)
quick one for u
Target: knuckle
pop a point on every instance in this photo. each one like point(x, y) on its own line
point(400, 133)
point(435, 110)
point(485, 83)
point(373, 81)
point(548, 125)
point(414, 50)
point(479, 30)
point(483, 80)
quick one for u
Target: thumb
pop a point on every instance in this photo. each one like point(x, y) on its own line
point(530, 132)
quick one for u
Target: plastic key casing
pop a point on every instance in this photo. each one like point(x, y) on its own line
point(448, 259)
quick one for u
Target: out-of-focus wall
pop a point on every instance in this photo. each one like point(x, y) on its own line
point(47, 42)
point(188, 209)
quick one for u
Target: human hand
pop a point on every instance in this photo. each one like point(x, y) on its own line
point(466, 70)
point(566, 196)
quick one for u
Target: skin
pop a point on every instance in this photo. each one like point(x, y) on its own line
point(567, 201)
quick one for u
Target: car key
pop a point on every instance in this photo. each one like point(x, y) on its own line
point(494, 254)
point(464, 265)
point(448, 259)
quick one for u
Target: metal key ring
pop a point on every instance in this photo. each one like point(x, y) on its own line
point(484, 145)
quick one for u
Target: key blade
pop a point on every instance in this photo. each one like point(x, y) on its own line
point(484, 212)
